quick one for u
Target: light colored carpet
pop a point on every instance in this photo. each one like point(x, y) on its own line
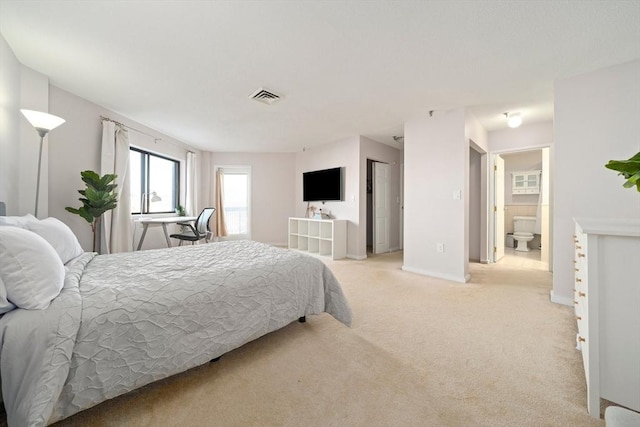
point(421, 352)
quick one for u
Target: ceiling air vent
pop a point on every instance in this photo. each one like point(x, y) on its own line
point(264, 96)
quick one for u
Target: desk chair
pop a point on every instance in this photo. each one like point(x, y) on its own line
point(199, 232)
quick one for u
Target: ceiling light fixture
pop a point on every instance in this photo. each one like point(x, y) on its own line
point(513, 119)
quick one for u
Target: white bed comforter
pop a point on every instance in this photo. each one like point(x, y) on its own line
point(126, 320)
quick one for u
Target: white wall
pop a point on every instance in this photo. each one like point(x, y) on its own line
point(596, 120)
point(344, 153)
point(352, 154)
point(21, 87)
point(436, 158)
point(9, 128)
point(527, 136)
point(34, 95)
point(75, 146)
point(273, 187)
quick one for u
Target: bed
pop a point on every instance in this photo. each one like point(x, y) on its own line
point(122, 321)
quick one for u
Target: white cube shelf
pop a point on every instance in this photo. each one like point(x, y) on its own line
point(327, 237)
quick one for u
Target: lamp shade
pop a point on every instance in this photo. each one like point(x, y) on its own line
point(40, 120)
point(514, 120)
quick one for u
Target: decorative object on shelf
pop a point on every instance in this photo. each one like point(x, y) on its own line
point(43, 123)
point(629, 169)
point(321, 215)
point(98, 198)
point(311, 211)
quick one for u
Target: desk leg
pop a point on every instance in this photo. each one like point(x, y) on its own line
point(166, 235)
point(144, 232)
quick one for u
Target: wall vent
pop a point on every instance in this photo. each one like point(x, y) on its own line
point(264, 96)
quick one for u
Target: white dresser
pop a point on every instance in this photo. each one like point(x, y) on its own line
point(607, 306)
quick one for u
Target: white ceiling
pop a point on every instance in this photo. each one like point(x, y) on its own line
point(343, 68)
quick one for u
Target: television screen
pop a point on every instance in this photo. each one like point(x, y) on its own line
point(322, 185)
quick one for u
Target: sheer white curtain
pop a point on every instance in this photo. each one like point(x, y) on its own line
point(116, 224)
point(191, 199)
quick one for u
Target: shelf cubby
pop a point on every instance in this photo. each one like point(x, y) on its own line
point(327, 237)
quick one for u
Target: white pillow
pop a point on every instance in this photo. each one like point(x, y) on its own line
point(5, 305)
point(18, 221)
point(30, 269)
point(60, 236)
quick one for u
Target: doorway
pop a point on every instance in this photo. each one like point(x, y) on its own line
point(511, 202)
point(378, 207)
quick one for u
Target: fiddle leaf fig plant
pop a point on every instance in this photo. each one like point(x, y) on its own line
point(629, 169)
point(98, 198)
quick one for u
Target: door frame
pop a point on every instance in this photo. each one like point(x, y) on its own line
point(491, 213)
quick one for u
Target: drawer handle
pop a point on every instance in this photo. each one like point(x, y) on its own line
point(580, 255)
point(578, 318)
point(576, 269)
point(575, 303)
point(575, 262)
point(578, 280)
point(581, 339)
point(575, 240)
point(582, 294)
point(578, 246)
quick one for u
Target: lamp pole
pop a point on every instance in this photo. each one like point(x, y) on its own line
point(42, 132)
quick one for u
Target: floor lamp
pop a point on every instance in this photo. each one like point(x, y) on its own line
point(43, 123)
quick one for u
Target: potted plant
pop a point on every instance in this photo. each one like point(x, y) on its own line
point(180, 210)
point(98, 198)
point(630, 169)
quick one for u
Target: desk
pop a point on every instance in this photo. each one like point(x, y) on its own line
point(146, 222)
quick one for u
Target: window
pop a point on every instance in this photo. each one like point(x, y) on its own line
point(155, 182)
point(236, 191)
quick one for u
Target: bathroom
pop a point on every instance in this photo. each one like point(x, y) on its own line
point(522, 198)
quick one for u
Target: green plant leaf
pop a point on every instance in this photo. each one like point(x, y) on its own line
point(98, 196)
point(633, 180)
point(629, 169)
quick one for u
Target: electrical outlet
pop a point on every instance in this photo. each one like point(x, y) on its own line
point(441, 248)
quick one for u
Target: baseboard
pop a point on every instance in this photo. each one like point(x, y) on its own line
point(463, 279)
point(356, 257)
point(560, 300)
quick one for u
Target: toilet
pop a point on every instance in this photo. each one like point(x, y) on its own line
point(523, 228)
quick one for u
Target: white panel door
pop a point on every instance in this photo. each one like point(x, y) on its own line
point(381, 207)
point(498, 206)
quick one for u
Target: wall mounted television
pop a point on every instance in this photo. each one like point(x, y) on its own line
point(322, 185)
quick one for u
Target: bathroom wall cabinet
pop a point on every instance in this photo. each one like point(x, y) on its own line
point(326, 237)
point(606, 299)
point(526, 182)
